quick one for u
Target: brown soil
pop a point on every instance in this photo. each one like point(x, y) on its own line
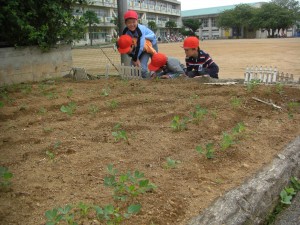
point(32, 124)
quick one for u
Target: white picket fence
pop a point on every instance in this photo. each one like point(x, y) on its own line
point(130, 72)
point(267, 75)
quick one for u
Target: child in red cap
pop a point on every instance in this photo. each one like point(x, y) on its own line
point(165, 67)
point(126, 45)
point(141, 33)
point(198, 63)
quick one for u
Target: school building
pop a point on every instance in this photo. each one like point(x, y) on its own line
point(159, 11)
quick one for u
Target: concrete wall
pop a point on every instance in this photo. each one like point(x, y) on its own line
point(29, 64)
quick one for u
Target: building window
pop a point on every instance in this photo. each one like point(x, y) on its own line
point(204, 22)
point(213, 22)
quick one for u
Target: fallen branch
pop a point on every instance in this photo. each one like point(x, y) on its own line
point(268, 103)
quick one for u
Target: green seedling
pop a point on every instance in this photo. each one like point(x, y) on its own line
point(235, 102)
point(69, 93)
point(42, 111)
point(279, 88)
point(51, 95)
point(295, 183)
point(84, 209)
point(227, 141)
point(1, 104)
point(50, 155)
point(69, 109)
point(170, 163)
point(105, 92)
point(252, 84)
point(93, 109)
point(286, 197)
point(292, 108)
point(53, 217)
point(119, 134)
point(239, 128)
point(47, 129)
point(199, 114)
point(208, 152)
point(112, 216)
point(177, 124)
point(5, 177)
point(128, 185)
point(113, 104)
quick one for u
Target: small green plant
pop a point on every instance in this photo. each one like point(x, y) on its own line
point(105, 92)
point(119, 134)
point(51, 95)
point(50, 155)
point(69, 93)
point(252, 84)
point(236, 102)
point(69, 109)
point(208, 151)
point(93, 109)
point(127, 185)
point(286, 195)
point(1, 104)
point(177, 124)
point(53, 217)
point(112, 215)
point(227, 141)
point(295, 183)
point(42, 111)
point(292, 108)
point(113, 104)
point(84, 209)
point(239, 128)
point(5, 177)
point(279, 88)
point(198, 114)
point(47, 129)
point(171, 163)
point(26, 88)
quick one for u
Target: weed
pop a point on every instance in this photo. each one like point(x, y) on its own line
point(51, 95)
point(93, 109)
point(236, 102)
point(84, 209)
point(170, 163)
point(208, 152)
point(239, 128)
point(105, 92)
point(128, 184)
point(5, 177)
point(279, 88)
point(50, 155)
point(69, 109)
point(177, 124)
point(113, 104)
point(119, 134)
point(252, 84)
point(199, 114)
point(227, 141)
point(26, 88)
point(69, 93)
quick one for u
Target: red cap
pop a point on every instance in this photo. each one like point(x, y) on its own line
point(124, 43)
point(191, 42)
point(130, 14)
point(158, 60)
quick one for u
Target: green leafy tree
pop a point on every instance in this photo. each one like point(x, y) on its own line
point(241, 17)
point(272, 17)
point(171, 25)
point(41, 23)
point(90, 17)
point(152, 25)
point(191, 25)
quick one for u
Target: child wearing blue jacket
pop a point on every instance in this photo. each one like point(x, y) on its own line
point(139, 57)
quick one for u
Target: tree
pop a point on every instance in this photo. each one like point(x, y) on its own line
point(241, 17)
point(42, 23)
point(273, 17)
point(192, 26)
point(171, 25)
point(90, 17)
point(152, 25)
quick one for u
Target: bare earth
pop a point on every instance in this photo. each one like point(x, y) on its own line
point(83, 145)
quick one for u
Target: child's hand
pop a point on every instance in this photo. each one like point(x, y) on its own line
point(136, 63)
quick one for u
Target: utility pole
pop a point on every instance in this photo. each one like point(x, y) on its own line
point(122, 8)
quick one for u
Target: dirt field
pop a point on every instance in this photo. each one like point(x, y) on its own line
point(232, 56)
point(57, 138)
